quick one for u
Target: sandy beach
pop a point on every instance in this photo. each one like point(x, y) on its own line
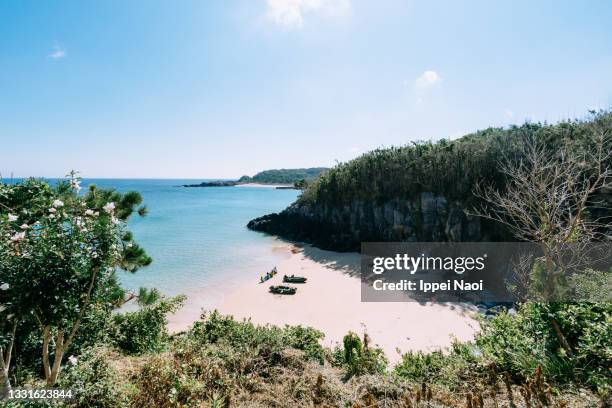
point(331, 302)
point(261, 185)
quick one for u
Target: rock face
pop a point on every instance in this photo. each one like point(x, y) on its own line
point(428, 217)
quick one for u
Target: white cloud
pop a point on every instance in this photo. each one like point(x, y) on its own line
point(290, 13)
point(427, 79)
point(58, 52)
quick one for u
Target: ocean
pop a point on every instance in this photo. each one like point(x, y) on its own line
point(198, 238)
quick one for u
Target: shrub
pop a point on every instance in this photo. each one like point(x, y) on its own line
point(267, 340)
point(519, 344)
point(145, 329)
point(524, 344)
point(220, 356)
point(461, 364)
point(95, 382)
point(359, 358)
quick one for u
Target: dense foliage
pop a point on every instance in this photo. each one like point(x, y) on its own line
point(59, 251)
point(452, 168)
point(222, 362)
point(219, 357)
point(284, 176)
point(519, 345)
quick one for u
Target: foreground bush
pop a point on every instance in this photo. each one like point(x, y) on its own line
point(220, 357)
point(94, 381)
point(264, 340)
point(459, 366)
point(222, 362)
point(144, 330)
point(358, 357)
point(519, 346)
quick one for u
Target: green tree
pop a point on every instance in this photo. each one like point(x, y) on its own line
point(548, 200)
point(59, 251)
point(301, 184)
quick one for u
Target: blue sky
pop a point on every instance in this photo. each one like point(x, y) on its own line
point(217, 89)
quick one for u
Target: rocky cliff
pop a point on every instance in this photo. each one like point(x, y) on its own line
point(428, 217)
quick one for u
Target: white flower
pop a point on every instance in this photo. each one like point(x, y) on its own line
point(115, 220)
point(12, 217)
point(58, 203)
point(24, 226)
point(2, 308)
point(109, 207)
point(18, 236)
point(96, 213)
point(72, 360)
point(52, 210)
point(51, 216)
point(9, 317)
point(89, 212)
point(4, 286)
point(75, 184)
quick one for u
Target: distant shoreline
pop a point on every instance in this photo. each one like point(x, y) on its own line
point(278, 178)
point(264, 185)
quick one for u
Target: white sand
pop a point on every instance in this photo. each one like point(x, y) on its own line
point(331, 302)
point(259, 185)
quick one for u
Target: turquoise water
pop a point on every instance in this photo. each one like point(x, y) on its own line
point(198, 238)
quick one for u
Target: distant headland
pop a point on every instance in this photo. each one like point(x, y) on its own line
point(282, 178)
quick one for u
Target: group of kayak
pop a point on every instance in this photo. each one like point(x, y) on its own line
point(280, 289)
point(268, 275)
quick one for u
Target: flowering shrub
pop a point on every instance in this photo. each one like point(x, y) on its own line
point(58, 254)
